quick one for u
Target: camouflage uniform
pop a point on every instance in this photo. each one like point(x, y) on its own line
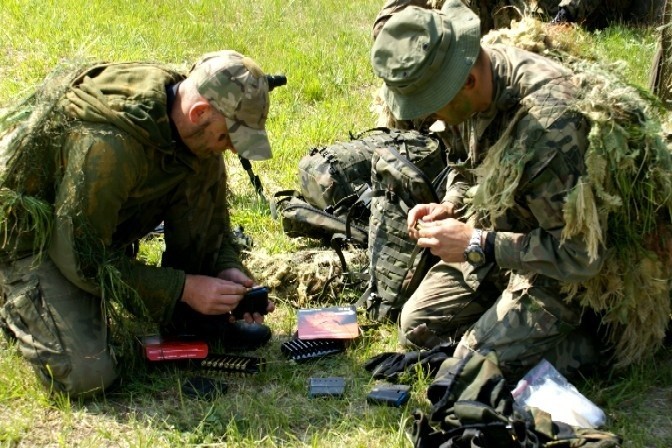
point(493, 14)
point(515, 306)
point(121, 171)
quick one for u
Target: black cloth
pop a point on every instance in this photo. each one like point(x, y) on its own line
point(393, 366)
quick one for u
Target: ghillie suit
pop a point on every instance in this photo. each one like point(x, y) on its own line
point(623, 203)
point(96, 141)
point(32, 135)
point(493, 14)
point(26, 185)
point(311, 275)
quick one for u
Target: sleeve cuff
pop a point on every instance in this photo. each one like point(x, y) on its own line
point(508, 248)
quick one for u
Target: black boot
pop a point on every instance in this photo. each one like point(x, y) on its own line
point(216, 330)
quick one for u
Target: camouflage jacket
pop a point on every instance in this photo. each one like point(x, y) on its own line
point(122, 172)
point(493, 14)
point(530, 117)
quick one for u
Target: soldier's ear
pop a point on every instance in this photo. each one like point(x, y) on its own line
point(199, 111)
point(470, 83)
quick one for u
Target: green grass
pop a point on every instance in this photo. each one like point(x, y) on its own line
point(322, 47)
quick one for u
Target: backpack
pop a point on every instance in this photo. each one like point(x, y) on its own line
point(302, 219)
point(334, 194)
point(360, 192)
point(411, 172)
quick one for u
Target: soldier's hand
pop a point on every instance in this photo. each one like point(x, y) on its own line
point(236, 275)
point(447, 239)
point(424, 213)
point(212, 295)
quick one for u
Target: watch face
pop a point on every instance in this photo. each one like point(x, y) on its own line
point(474, 255)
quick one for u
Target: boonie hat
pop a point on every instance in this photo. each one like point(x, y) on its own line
point(236, 86)
point(424, 57)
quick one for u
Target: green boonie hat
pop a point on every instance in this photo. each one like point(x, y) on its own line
point(237, 87)
point(424, 57)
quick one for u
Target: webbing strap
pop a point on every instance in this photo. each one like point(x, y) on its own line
point(254, 179)
point(282, 194)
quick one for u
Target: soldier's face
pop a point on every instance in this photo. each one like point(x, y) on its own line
point(214, 138)
point(457, 111)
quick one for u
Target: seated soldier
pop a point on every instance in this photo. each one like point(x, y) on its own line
point(508, 257)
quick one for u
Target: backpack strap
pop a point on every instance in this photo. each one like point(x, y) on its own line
point(254, 179)
point(278, 196)
point(359, 135)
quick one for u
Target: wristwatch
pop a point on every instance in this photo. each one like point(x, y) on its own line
point(474, 254)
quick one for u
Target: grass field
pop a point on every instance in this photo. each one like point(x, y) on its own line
point(322, 47)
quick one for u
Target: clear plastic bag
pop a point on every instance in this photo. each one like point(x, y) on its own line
point(545, 388)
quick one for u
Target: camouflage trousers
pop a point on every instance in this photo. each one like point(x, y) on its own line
point(59, 329)
point(487, 309)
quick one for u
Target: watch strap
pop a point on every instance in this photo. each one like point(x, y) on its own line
point(476, 237)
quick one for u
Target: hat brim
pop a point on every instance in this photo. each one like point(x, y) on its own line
point(465, 42)
point(250, 143)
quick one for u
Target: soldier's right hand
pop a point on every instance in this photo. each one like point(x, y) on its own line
point(211, 295)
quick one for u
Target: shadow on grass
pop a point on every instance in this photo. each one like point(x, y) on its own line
point(270, 408)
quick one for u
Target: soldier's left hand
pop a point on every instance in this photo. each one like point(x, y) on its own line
point(236, 275)
point(447, 238)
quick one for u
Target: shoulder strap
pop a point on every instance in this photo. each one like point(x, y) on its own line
point(278, 197)
point(254, 179)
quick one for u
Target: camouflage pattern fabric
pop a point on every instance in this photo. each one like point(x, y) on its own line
point(460, 300)
point(492, 13)
point(124, 175)
point(121, 173)
point(58, 327)
point(530, 108)
point(333, 178)
point(327, 175)
point(472, 405)
point(236, 86)
point(398, 182)
point(299, 218)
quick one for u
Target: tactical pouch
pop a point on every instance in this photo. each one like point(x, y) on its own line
point(407, 172)
point(301, 219)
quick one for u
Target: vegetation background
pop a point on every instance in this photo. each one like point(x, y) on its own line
point(322, 47)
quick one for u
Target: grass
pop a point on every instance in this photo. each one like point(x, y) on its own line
point(322, 47)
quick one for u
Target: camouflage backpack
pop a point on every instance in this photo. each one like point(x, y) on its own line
point(331, 180)
point(334, 195)
point(411, 171)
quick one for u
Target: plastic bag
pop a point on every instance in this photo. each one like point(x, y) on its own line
point(543, 387)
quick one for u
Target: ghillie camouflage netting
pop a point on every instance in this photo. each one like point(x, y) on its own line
point(624, 202)
point(31, 135)
point(309, 276)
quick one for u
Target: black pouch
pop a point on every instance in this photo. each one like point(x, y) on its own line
point(391, 395)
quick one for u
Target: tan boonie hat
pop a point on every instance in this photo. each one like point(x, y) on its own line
point(424, 57)
point(237, 87)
